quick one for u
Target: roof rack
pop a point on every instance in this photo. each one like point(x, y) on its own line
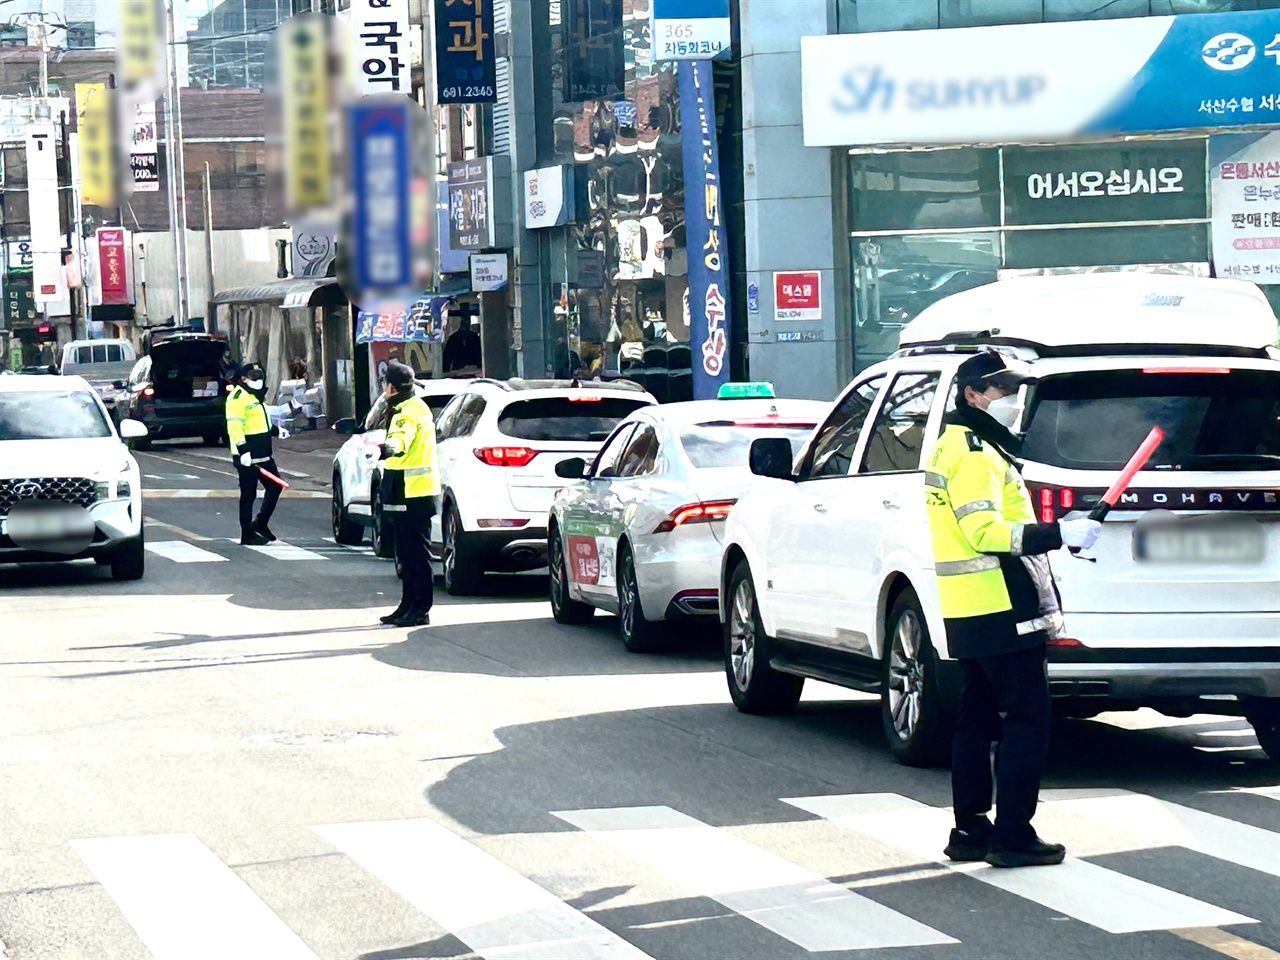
point(1027, 350)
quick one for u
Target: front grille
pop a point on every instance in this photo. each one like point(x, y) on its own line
point(76, 490)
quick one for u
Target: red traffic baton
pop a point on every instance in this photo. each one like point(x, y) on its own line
point(273, 478)
point(1136, 463)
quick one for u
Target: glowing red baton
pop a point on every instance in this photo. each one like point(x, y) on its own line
point(273, 478)
point(1136, 463)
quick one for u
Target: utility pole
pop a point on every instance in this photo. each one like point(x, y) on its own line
point(211, 309)
point(177, 175)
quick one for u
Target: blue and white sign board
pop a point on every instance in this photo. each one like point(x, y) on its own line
point(1042, 80)
point(689, 29)
point(379, 134)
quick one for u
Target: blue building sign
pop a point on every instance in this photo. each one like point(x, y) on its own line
point(466, 60)
point(379, 137)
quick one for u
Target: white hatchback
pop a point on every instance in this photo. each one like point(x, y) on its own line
point(828, 569)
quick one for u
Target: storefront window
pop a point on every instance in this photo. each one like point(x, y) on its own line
point(1105, 246)
point(932, 189)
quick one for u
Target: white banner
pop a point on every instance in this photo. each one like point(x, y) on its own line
point(48, 278)
point(1244, 179)
point(544, 197)
point(143, 159)
point(380, 45)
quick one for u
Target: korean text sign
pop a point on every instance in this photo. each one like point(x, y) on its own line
point(111, 265)
point(705, 232)
point(380, 136)
point(797, 295)
point(1244, 174)
point(470, 197)
point(381, 61)
point(466, 61)
point(689, 29)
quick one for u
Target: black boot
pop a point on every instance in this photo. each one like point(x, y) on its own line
point(252, 538)
point(260, 526)
point(412, 618)
point(1037, 853)
point(966, 847)
point(395, 614)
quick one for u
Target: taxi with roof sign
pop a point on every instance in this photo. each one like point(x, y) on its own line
point(638, 533)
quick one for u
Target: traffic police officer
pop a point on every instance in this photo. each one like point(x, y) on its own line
point(1000, 606)
point(410, 486)
point(249, 434)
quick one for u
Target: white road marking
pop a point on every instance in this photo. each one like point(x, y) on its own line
point(185, 494)
point(170, 476)
point(780, 896)
point(286, 551)
point(179, 551)
point(1095, 895)
point(493, 909)
point(1175, 825)
point(185, 903)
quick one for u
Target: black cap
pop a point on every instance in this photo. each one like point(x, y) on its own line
point(992, 369)
point(399, 375)
point(253, 372)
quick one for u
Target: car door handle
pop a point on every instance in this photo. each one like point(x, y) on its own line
point(890, 504)
point(820, 507)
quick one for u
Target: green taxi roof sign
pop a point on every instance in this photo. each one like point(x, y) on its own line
point(746, 391)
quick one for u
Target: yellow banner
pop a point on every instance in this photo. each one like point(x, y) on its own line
point(140, 45)
point(305, 100)
point(97, 157)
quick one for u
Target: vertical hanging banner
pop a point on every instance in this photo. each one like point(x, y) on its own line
point(97, 155)
point(379, 133)
point(381, 45)
point(112, 265)
point(46, 236)
point(140, 48)
point(304, 45)
point(466, 60)
point(143, 161)
point(705, 236)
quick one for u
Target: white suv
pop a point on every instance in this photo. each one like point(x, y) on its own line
point(828, 571)
point(499, 446)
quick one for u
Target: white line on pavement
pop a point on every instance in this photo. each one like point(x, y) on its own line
point(1095, 895)
point(493, 909)
point(153, 494)
point(185, 903)
point(286, 551)
point(780, 896)
point(179, 551)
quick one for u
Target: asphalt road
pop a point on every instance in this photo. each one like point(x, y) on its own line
point(230, 759)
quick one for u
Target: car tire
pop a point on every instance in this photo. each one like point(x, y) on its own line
point(1264, 717)
point(384, 539)
point(753, 683)
point(638, 634)
point(211, 439)
point(462, 573)
point(563, 607)
point(344, 531)
point(916, 725)
point(129, 561)
point(140, 443)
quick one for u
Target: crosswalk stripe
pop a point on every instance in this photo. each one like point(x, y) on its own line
point(185, 903)
point(1095, 895)
point(286, 551)
point(180, 551)
point(493, 909)
point(780, 896)
point(1175, 825)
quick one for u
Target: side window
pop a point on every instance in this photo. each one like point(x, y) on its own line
point(99, 353)
point(84, 355)
point(898, 436)
point(832, 452)
point(114, 353)
point(606, 464)
point(377, 416)
point(448, 416)
point(469, 415)
point(641, 456)
point(140, 371)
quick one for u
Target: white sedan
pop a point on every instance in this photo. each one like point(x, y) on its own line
point(639, 533)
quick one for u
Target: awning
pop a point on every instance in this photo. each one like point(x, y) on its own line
point(294, 292)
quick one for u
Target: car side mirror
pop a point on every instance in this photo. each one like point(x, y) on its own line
point(771, 457)
point(118, 385)
point(575, 468)
point(345, 426)
point(132, 429)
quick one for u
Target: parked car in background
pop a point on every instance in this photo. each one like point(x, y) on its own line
point(828, 569)
point(106, 365)
point(356, 479)
point(639, 534)
point(69, 488)
point(179, 388)
point(500, 443)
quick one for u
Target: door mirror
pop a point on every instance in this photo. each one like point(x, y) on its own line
point(575, 468)
point(118, 385)
point(345, 427)
point(771, 457)
point(132, 429)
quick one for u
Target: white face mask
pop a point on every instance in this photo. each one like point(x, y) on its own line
point(253, 384)
point(1006, 411)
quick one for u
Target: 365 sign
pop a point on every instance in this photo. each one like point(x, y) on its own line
point(797, 295)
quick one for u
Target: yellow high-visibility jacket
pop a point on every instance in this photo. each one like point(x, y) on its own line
point(248, 427)
point(413, 469)
point(994, 583)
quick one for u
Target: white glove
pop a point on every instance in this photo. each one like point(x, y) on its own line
point(246, 460)
point(1081, 533)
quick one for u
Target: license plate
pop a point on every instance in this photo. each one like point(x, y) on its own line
point(1192, 542)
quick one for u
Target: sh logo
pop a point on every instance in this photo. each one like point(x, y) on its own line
point(862, 86)
point(1229, 51)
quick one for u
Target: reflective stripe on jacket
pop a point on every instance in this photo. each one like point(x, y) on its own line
point(987, 548)
point(248, 428)
point(411, 437)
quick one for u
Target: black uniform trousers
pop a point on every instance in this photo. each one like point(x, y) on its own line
point(249, 480)
point(1004, 704)
point(412, 536)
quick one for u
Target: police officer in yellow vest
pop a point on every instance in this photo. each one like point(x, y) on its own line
point(410, 488)
point(1000, 606)
point(249, 434)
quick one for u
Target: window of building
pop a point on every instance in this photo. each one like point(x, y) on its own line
point(80, 34)
point(929, 189)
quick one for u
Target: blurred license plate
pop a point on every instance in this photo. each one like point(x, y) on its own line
point(1191, 542)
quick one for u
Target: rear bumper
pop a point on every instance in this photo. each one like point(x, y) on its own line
point(678, 574)
point(511, 550)
point(1151, 680)
point(186, 425)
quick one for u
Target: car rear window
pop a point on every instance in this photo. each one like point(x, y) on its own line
point(566, 418)
point(1212, 421)
point(728, 444)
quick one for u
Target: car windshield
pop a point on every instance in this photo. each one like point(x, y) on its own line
point(726, 443)
point(588, 417)
point(45, 415)
point(1226, 420)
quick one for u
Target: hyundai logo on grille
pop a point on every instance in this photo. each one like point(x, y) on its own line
point(27, 490)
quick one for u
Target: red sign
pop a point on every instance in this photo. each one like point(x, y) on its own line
point(111, 265)
point(584, 560)
point(797, 296)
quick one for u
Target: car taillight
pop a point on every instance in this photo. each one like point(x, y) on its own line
point(1054, 500)
point(706, 512)
point(505, 456)
point(230, 387)
point(148, 391)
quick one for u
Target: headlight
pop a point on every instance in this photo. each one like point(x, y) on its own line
point(123, 490)
point(102, 490)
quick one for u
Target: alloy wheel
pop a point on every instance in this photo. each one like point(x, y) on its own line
point(556, 564)
point(742, 635)
point(906, 676)
point(628, 602)
point(335, 512)
point(449, 559)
